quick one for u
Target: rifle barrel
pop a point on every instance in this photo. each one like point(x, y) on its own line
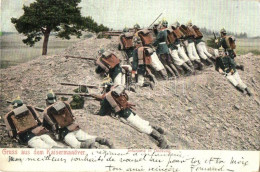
point(70, 84)
point(155, 20)
point(77, 57)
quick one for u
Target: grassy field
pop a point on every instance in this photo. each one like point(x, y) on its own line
point(245, 46)
point(14, 51)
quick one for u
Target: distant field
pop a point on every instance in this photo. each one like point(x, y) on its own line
point(14, 51)
point(245, 46)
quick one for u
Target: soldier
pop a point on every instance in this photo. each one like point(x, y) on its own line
point(24, 124)
point(110, 64)
point(190, 46)
point(163, 50)
point(136, 28)
point(228, 43)
point(126, 43)
point(58, 117)
point(226, 65)
point(178, 43)
point(116, 100)
point(141, 60)
point(147, 39)
point(179, 63)
point(200, 44)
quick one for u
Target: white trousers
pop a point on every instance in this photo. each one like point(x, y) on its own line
point(176, 59)
point(202, 49)
point(119, 79)
point(43, 142)
point(140, 79)
point(139, 123)
point(236, 80)
point(182, 54)
point(192, 53)
point(156, 63)
point(75, 138)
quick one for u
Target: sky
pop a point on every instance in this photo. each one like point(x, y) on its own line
point(233, 15)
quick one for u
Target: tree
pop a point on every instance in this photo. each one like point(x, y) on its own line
point(45, 16)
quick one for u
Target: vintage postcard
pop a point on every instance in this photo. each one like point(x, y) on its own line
point(138, 85)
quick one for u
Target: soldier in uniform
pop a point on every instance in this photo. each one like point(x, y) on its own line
point(24, 124)
point(58, 117)
point(17, 102)
point(179, 63)
point(126, 43)
point(50, 98)
point(136, 28)
point(200, 44)
point(226, 65)
point(110, 64)
point(163, 50)
point(228, 43)
point(180, 47)
point(116, 100)
point(190, 46)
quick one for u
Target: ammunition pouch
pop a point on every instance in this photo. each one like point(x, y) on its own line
point(146, 37)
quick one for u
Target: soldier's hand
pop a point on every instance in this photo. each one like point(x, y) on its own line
point(216, 41)
point(133, 74)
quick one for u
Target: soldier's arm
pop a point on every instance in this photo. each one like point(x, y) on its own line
point(232, 63)
point(217, 64)
point(157, 40)
point(105, 108)
point(135, 61)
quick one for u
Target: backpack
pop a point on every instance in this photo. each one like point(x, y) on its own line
point(146, 36)
point(21, 120)
point(127, 40)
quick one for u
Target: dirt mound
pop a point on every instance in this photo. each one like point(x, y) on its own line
point(203, 111)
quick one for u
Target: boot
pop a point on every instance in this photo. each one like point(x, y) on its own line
point(104, 141)
point(170, 70)
point(179, 68)
point(190, 65)
point(86, 144)
point(94, 145)
point(148, 84)
point(241, 67)
point(187, 68)
point(159, 129)
point(175, 70)
point(163, 73)
point(162, 141)
point(248, 91)
point(239, 88)
point(200, 65)
point(209, 62)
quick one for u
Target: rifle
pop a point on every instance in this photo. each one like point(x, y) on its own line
point(89, 86)
point(155, 20)
point(36, 108)
point(214, 35)
point(85, 58)
point(97, 97)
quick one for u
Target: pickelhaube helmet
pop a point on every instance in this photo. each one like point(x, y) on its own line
point(221, 49)
point(164, 23)
point(223, 30)
point(51, 98)
point(17, 102)
point(137, 26)
point(176, 24)
point(189, 23)
point(126, 29)
point(101, 51)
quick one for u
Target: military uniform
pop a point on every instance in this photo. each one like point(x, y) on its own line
point(24, 124)
point(228, 43)
point(59, 118)
point(163, 51)
point(228, 66)
point(113, 69)
point(126, 43)
point(116, 100)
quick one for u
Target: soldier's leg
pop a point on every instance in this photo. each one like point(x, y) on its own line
point(158, 66)
point(234, 82)
point(72, 141)
point(241, 84)
point(206, 50)
point(47, 139)
point(164, 62)
point(37, 142)
point(171, 65)
point(177, 61)
point(118, 79)
point(183, 56)
point(200, 49)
